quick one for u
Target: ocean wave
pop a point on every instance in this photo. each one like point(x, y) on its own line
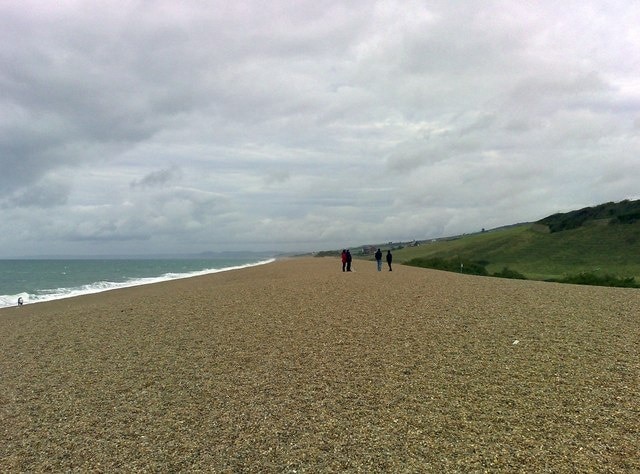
point(97, 287)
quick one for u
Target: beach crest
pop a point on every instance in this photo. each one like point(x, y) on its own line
point(297, 366)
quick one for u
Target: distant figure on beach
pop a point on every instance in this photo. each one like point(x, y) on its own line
point(379, 259)
point(20, 301)
point(349, 259)
point(344, 259)
point(389, 259)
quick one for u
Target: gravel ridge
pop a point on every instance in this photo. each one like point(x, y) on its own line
point(295, 366)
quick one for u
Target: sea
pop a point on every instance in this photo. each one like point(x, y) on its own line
point(38, 280)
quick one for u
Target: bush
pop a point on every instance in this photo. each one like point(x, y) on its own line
point(597, 280)
point(630, 218)
point(506, 272)
point(477, 268)
point(328, 253)
point(453, 265)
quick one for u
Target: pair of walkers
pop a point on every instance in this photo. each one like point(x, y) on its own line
point(378, 256)
point(346, 260)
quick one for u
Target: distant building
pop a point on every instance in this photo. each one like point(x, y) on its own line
point(368, 249)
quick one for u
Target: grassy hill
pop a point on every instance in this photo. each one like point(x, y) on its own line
point(604, 240)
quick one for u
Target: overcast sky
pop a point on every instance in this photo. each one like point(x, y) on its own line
point(135, 127)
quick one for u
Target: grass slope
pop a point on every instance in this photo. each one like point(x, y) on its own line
point(596, 247)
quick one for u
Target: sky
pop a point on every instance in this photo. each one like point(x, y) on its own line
point(146, 127)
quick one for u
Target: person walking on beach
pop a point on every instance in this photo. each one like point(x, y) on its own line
point(344, 259)
point(389, 259)
point(379, 259)
point(349, 259)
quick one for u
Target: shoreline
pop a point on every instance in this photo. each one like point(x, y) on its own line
point(131, 283)
point(297, 366)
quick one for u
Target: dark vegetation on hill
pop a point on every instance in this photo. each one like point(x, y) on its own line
point(597, 245)
point(624, 212)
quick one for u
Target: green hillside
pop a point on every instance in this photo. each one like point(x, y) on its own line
point(607, 241)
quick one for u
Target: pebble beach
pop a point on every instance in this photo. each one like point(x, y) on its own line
point(296, 366)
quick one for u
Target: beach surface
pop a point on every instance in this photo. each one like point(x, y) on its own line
point(295, 366)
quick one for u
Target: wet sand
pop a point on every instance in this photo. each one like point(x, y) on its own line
point(296, 366)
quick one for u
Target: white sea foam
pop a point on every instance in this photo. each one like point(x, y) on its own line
point(100, 286)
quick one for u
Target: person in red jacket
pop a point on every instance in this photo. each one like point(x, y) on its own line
point(344, 260)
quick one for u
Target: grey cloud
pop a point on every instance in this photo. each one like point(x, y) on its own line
point(408, 161)
point(45, 194)
point(177, 213)
point(547, 94)
point(29, 148)
point(158, 178)
point(277, 177)
point(194, 124)
point(107, 233)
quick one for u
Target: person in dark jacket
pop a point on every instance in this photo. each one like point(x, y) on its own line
point(389, 259)
point(344, 259)
point(349, 259)
point(379, 259)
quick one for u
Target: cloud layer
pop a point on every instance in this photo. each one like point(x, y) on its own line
point(190, 126)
